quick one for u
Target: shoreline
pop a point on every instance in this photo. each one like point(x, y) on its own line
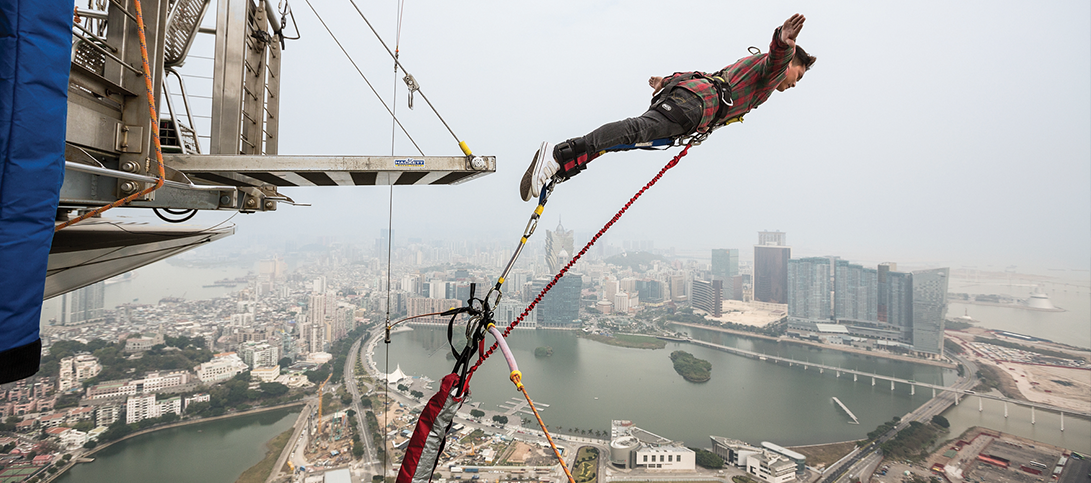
point(178, 424)
point(850, 350)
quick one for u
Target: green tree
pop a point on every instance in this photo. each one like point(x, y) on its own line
point(417, 394)
point(500, 419)
point(273, 389)
point(941, 421)
point(284, 362)
point(477, 413)
point(708, 459)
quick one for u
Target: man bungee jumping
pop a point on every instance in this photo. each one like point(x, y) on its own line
point(683, 103)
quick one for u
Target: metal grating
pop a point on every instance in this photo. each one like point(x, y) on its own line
point(182, 26)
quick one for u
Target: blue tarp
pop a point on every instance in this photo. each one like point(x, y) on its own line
point(35, 58)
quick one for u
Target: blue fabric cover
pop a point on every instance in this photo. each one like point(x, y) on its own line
point(35, 58)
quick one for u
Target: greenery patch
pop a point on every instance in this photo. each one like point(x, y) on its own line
point(691, 368)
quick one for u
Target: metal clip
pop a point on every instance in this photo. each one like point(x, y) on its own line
point(411, 83)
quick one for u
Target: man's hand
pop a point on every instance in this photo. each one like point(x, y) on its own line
point(657, 84)
point(790, 30)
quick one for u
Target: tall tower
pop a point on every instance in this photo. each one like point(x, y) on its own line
point(83, 305)
point(725, 263)
point(929, 309)
point(809, 288)
point(557, 241)
point(776, 238)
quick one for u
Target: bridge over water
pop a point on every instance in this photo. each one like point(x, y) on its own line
point(958, 393)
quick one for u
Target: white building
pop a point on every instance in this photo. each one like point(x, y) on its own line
point(158, 381)
point(75, 369)
point(139, 408)
point(199, 397)
point(262, 353)
point(266, 374)
point(771, 467)
point(666, 458)
point(73, 438)
point(222, 367)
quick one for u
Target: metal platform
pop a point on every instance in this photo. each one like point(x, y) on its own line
point(287, 171)
point(98, 249)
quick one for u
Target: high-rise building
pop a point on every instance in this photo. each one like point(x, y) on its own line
point(929, 309)
point(652, 291)
point(809, 288)
point(775, 238)
point(557, 241)
point(771, 273)
point(84, 305)
point(708, 296)
point(895, 297)
point(855, 292)
point(561, 305)
point(725, 263)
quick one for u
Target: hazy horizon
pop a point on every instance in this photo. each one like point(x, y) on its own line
point(924, 134)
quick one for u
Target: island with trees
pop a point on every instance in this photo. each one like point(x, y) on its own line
point(691, 368)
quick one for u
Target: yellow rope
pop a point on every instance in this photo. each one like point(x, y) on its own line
point(516, 377)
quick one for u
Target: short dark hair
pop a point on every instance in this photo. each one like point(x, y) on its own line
point(801, 57)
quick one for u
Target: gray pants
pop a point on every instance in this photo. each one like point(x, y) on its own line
point(649, 126)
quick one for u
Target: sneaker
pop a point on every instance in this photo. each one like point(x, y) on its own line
point(541, 170)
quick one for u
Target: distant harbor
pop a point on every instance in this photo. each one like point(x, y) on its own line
point(1037, 302)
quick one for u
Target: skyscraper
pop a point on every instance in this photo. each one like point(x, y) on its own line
point(929, 309)
point(556, 242)
point(895, 297)
point(561, 305)
point(708, 296)
point(771, 273)
point(775, 238)
point(83, 305)
point(809, 288)
point(855, 292)
point(725, 263)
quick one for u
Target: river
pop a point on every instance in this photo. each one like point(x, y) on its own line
point(209, 452)
point(586, 384)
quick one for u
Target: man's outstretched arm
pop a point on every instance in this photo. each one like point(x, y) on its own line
point(783, 46)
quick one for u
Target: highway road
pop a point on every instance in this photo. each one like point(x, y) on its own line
point(853, 467)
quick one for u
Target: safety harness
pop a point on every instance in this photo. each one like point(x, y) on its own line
point(573, 154)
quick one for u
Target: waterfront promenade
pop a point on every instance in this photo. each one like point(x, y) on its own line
point(848, 349)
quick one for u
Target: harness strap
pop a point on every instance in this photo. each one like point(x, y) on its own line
point(573, 157)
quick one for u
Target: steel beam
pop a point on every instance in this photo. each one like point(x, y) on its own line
point(281, 171)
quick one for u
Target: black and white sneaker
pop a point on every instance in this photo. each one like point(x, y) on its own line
point(541, 170)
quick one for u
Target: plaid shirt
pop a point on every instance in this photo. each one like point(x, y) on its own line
point(752, 81)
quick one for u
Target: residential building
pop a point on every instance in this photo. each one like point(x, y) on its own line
point(708, 296)
point(262, 353)
point(420, 306)
point(139, 408)
point(809, 289)
point(73, 438)
point(855, 292)
point(84, 305)
point(929, 309)
point(107, 415)
point(895, 296)
point(222, 367)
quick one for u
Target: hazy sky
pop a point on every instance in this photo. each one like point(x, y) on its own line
point(937, 133)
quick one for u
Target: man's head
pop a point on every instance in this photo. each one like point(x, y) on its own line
point(801, 63)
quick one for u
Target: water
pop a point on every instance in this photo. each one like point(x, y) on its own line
point(1047, 428)
point(1070, 327)
point(745, 399)
point(214, 451)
